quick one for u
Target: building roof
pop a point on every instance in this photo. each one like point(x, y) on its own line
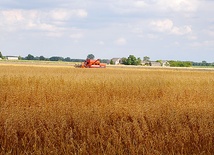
point(12, 56)
point(115, 59)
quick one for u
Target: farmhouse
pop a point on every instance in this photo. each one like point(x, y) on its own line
point(155, 63)
point(145, 63)
point(116, 61)
point(165, 63)
point(12, 57)
point(151, 63)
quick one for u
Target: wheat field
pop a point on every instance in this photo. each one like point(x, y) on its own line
point(64, 110)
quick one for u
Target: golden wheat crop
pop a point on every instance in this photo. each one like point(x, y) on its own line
point(49, 110)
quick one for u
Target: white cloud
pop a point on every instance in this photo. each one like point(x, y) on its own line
point(162, 25)
point(51, 21)
point(181, 30)
point(60, 14)
point(46, 27)
point(12, 16)
point(81, 13)
point(129, 6)
point(179, 5)
point(66, 14)
point(139, 4)
point(120, 22)
point(167, 26)
point(121, 41)
point(185, 7)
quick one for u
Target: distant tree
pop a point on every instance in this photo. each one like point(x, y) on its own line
point(139, 61)
point(29, 57)
point(131, 60)
point(36, 58)
point(56, 58)
point(204, 63)
point(1, 56)
point(104, 60)
point(67, 59)
point(111, 62)
point(124, 60)
point(41, 58)
point(20, 58)
point(160, 61)
point(77, 60)
point(90, 56)
point(146, 58)
point(180, 63)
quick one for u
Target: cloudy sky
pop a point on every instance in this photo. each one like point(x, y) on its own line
point(160, 29)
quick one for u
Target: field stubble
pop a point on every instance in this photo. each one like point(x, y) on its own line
point(45, 110)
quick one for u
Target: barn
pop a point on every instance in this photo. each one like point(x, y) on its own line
point(116, 61)
point(12, 57)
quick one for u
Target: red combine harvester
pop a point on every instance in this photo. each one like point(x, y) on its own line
point(88, 63)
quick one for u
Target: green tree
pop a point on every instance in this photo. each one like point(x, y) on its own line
point(111, 62)
point(131, 60)
point(20, 58)
point(56, 58)
point(204, 63)
point(29, 57)
point(146, 58)
point(160, 61)
point(67, 59)
point(139, 61)
point(180, 63)
point(41, 58)
point(1, 56)
point(104, 60)
point(90, 56)
point(36, 58)
point(124, 60)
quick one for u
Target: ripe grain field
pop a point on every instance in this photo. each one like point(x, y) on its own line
point(62, 110)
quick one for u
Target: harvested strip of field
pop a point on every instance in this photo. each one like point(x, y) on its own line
point(45, 110)
point(72, 64)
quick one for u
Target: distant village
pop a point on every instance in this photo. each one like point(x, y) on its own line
point(131, 60)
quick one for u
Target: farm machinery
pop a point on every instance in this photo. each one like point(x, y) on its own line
point(89, 63)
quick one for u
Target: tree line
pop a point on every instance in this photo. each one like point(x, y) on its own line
point(203, 63)
point(58, 58)
point(130, 60)
point(189, 63)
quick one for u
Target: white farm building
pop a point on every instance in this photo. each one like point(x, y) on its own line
point(12, 57)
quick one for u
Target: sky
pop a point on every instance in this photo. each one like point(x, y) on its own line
point(161, 29)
